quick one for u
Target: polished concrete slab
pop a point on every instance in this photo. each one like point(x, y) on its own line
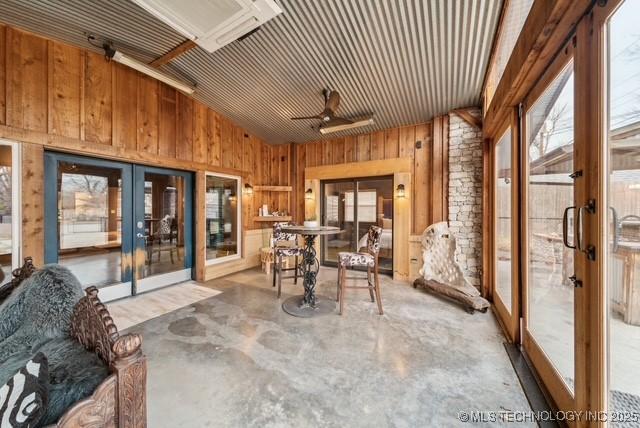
point(237, 360)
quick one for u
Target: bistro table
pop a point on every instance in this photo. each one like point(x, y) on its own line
point(309, 305)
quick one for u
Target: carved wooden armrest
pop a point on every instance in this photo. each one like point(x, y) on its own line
point(93, 327)
point(19, 275)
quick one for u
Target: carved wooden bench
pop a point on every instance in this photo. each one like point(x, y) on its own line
point(120, 400)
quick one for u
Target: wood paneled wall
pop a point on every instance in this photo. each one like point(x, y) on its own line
point(426, 144)
point(65, 98)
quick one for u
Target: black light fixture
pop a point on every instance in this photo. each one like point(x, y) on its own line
point(248, 189)
point(400, 191)
point(308, 194)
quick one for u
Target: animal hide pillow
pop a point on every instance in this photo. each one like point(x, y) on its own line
point(23, 399)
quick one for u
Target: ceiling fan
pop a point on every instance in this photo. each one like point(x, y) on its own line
point(330, 121)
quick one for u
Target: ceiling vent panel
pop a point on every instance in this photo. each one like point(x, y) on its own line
point(212, 24)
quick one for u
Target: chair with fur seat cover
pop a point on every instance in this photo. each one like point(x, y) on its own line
point(367, 259)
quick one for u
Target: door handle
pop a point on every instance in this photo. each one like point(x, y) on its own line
point(565, 228)
point(139, 235)
point(590, 250)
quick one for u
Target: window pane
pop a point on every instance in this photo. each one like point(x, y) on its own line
point(623, 188)
point(6, 243)
point(164, 223)
point(221, 201)
point(550, 140)
point(90, 222)
point(503, 219)
point(512, 23)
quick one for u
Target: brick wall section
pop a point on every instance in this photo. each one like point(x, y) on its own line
point(465, 194)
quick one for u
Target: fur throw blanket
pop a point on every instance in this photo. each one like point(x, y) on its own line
point(39, 310)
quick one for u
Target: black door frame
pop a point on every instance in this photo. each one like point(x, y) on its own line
point(354, 236)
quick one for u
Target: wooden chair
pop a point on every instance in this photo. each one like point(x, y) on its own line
point(165, 239)
point(283, 246)
point(368, 259)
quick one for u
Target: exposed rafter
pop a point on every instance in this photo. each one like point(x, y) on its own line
point(471, 119)
point(173, 53)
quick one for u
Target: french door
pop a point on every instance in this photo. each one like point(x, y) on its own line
point(552, 227)
point(120, 227)
point(618, 224)
point(579, 259)
point(505, 226)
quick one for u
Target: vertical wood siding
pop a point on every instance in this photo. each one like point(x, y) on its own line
point(430, 164)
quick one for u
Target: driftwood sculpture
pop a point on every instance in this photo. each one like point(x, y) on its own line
point(441, 274)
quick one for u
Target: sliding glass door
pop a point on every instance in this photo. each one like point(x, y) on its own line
point(550, 238)
point(354, 205)
point(120, 227)
point(622, 227)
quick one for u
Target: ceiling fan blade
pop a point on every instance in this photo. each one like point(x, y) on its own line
point(336, 121)
point(306, 117)
point(333, 101)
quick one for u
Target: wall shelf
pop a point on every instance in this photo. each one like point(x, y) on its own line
point(273, 218)
point(273, 188)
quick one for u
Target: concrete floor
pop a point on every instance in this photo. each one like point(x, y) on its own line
point(237, 359)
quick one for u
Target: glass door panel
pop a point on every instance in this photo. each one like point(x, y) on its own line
point(338, 211)
point(88, 217)
point(623, 194)
point(90, 222)
point(354, 205)
point(503, 231)
point(375, 208)
point(163, 227)
point(7, 232)
point(549, 318)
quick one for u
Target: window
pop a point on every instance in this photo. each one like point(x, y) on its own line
point(503, 245)
point(9, 209)
point(514, 18)
point(222, 216)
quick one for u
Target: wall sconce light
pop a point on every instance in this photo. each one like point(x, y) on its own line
point(308, 194)
point(400, 191)
point(248, 189)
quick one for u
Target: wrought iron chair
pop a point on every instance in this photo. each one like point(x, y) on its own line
point(368, 259)
point(284, 245)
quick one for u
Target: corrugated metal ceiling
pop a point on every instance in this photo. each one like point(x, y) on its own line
point(403, 60)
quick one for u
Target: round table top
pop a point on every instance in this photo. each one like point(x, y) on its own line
point(318, 230)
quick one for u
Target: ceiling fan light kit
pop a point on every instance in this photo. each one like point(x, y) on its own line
point(356, 124)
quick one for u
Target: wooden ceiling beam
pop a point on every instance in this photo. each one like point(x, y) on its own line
point(173, 54)
point(471, 119)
